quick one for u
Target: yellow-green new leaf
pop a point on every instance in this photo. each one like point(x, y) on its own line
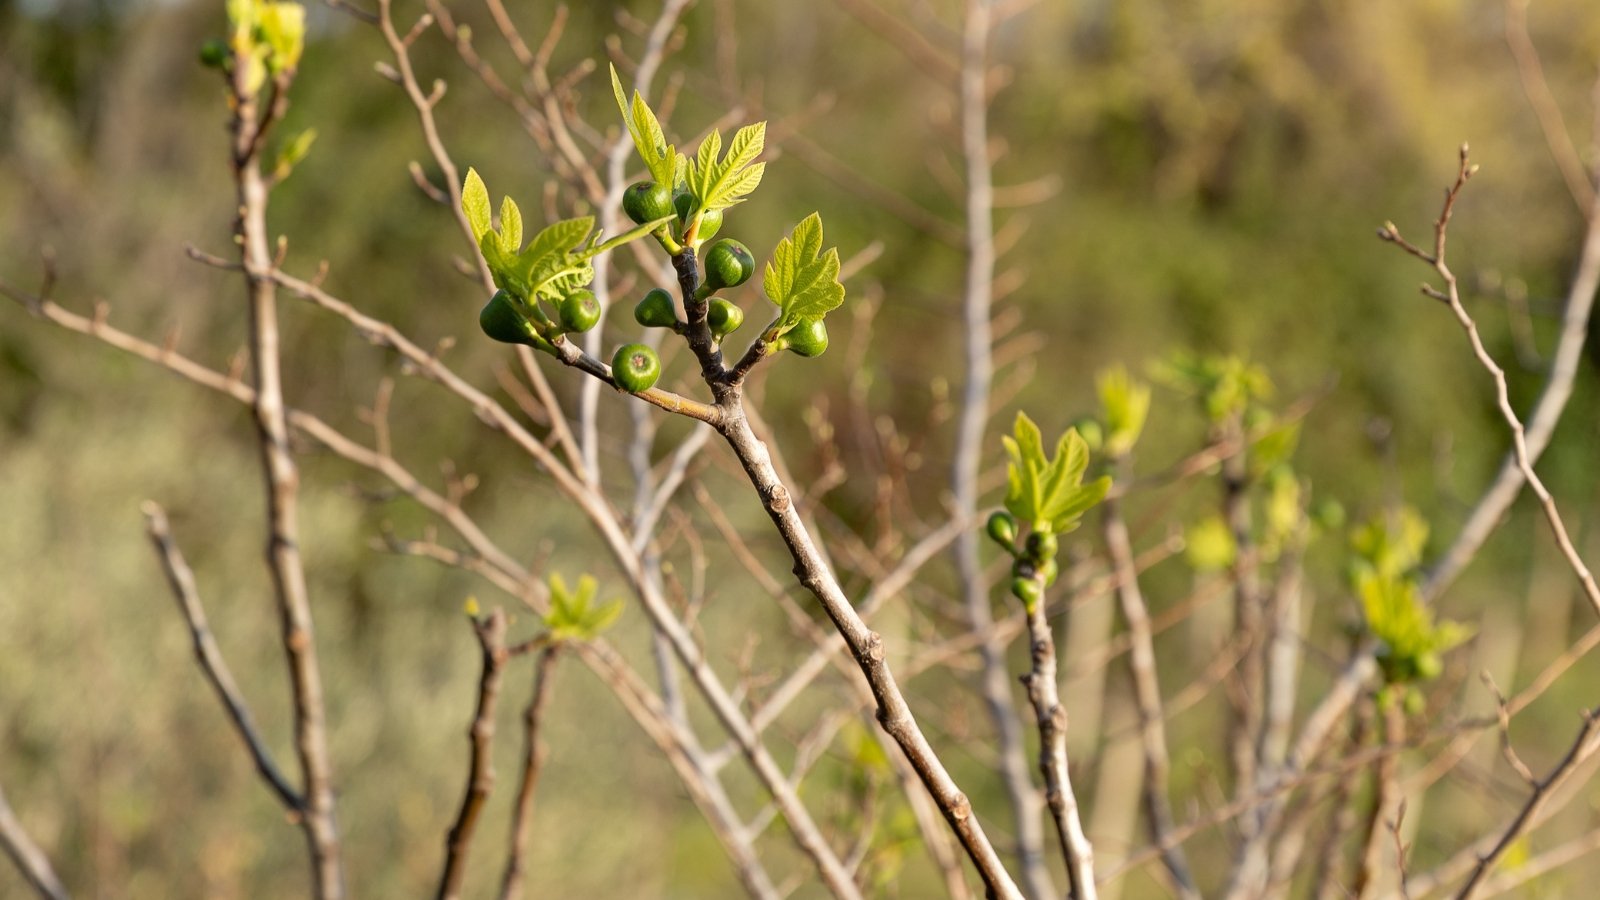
point(283, 26)
point(1125, 404)
point(1049, 494)
point(475, 204)
point(510, 225)
point(800, 282)
point(662, 159)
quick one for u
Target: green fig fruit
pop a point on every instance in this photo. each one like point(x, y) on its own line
point(1050, 571)
point(214, 54)
point(502, 318)
point(1042, 545)
point(809, 338)
point(728, 264)
point(578, 311)
point(647, 201)
point(1028, 591)
point(723, 317)
point(710, 220)
point(635, 368)
point(656, 310)
point(1002, 528)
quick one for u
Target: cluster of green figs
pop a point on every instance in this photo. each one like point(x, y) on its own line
point(1034, 565)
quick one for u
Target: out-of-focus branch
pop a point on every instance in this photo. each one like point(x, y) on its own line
point(533, 754)
point(1478, 858)
point(1147, 694)
point(1385, 797)
point(994, 679)
point(491, 633)
point(209, 655)
point(32, 862)
point(1545, 108)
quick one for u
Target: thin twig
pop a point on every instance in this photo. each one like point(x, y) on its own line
point(1587, 742)
point(209, 655)
point(30, 860)
point(1490, 510)
point(491, 633)
point(1452, 296)
point(1147, 694)
point(533, 755)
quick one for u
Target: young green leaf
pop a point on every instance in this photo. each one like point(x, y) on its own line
point(1126, 404)
point(802, 284)
point(1049, 493)
point(663, 160)
point(510, 225)
point(292, 152)
point(475, 204)
point(721, 184)
point(573, 615)
point(283, 26)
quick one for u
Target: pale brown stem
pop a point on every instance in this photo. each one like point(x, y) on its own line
point(1051, 717)
point(249, 123)
point(209, 655)
point(1147, 693)
point(1385, 795)
point(993, 680)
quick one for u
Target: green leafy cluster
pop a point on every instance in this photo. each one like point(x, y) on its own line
point(712, 180)
point(1226, 385)
point(266, 37)
point(1387, 552)
point(1124, 406)
point(1048, 493)
point(574, 616)
point(1049, 496)
point(555, 263)
point(802, 280)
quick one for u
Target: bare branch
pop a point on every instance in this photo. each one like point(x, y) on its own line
point(30, 860)
point(491, 633)
point(1452, 295)
point(209, 655)
point(533, 754)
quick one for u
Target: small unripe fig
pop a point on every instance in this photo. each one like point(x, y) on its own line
point(656, 310)
point(578, 311)
point(710, 221)
point(1027, 590)
point(728, 264)
point(502, 320)
point(1042, 545)
point(214, 54)
point(635, 368)
point(647, 201)
point(723, 317)
point(1049, 571)
point(1002, 528)
point(809, 338)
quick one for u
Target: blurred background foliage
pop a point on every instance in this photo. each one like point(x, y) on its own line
point(1216, 171)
